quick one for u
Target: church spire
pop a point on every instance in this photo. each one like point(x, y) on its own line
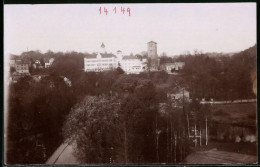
point(102, 48)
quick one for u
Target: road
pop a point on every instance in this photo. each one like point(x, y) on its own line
point(215, 156)
point(63, 155)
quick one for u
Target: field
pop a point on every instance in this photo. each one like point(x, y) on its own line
point(243, 114)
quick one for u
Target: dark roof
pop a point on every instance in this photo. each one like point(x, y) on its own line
point(91, 56)
point(104, 55)
point(107, 55)
point(14, 57)
point(152, 42)
point(130, 57)
point(21, 63)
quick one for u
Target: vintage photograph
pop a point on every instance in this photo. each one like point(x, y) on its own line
point(139, 83)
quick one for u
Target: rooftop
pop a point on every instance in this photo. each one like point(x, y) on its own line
point(103, 55)
point(152, 42)
point(130, 57)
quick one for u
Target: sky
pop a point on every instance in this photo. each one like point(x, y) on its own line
point(177, 28)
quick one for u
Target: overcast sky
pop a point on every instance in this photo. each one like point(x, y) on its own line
point(177, 28)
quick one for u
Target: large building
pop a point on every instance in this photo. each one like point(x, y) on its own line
point(172, 67)
point(133, 65)
point(100, 62)
point(103, 61)
point(152, 54)
point(22, 68)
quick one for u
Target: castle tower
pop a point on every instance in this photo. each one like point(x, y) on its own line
point(102, 48)
point(152, 54)
point(152, 50)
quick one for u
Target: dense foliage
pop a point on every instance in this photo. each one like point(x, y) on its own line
point(127, 127)
point(36, 111)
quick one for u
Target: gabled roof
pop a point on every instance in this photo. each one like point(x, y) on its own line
point(152, 42)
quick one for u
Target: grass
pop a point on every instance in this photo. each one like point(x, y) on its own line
point(243, 148)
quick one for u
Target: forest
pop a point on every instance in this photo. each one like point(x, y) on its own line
point(117, 117)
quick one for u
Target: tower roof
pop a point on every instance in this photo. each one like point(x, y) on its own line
point(102, 45)
point(152, 42)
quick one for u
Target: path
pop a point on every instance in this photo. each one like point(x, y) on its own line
point(63, 155)
point(219, 157)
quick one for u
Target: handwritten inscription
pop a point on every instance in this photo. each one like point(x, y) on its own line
point(115, 10)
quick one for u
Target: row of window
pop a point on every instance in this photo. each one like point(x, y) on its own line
point(22, 68)
point(99, 64)
point(102, 60)
point(98, 69)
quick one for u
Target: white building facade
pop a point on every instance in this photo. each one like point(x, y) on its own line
point(104, 62)
point(100, 62)
point(49, 62)
point(172, 67)
point(133, 65)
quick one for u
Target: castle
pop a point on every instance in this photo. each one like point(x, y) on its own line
point(103, 61)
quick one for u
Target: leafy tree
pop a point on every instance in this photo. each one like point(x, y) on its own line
point(93, 125)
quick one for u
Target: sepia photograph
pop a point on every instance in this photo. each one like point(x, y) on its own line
point(130, 83)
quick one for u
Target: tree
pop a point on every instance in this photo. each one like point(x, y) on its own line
point(95, 127)
point(35, 115)
point(120, 70)
point(12, 70)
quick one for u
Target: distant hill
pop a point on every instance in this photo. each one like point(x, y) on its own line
point(250, 52)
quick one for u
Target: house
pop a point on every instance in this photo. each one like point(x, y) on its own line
point(48, 62)
point(100, 62)
point(172, 67)
point(178, 93)
point(179, 66)
point(22, 68)
point(37, 65)
point(133, 64)
point(27, 60)
point(13, 60)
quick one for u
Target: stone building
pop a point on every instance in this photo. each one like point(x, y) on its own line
point(153, 56)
